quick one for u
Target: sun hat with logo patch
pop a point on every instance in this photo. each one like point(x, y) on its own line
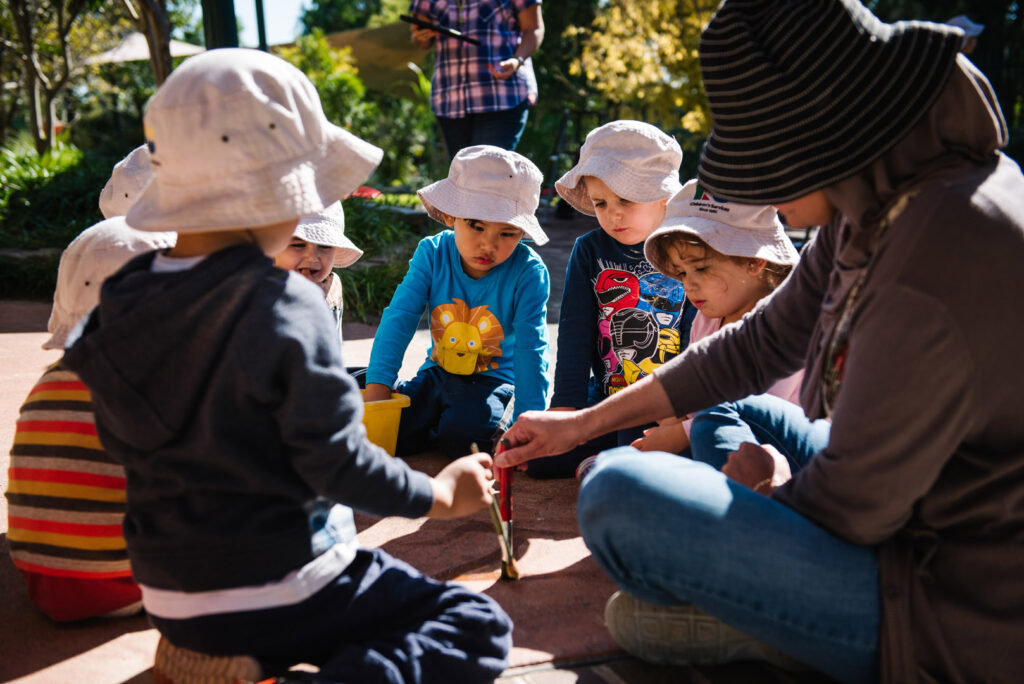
point(804, 93)
point(637, 161)
point(729, 228)
point(238, 138)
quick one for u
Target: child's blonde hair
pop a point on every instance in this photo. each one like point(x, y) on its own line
point(771, 275)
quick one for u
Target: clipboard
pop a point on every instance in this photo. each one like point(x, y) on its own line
point(451, 33)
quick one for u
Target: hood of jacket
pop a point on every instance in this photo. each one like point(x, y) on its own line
point(148, 384)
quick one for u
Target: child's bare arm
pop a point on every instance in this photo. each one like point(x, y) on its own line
point(669, 436)
point(376, 392)
point(463, 487)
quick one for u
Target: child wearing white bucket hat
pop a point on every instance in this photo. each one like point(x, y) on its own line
point(318, 247)
point(486, 296)
point(65, 539)
point(620, 319)
point(239, 428)
point(728, 256)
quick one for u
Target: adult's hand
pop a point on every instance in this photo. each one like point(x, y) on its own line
point(541, 433)
point(762, 468)
point(421, 37)
point(506, 68)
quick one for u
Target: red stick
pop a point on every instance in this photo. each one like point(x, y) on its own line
point(504, 488)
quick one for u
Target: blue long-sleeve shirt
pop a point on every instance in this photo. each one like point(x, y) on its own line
point(619, 320)
point(494, 325)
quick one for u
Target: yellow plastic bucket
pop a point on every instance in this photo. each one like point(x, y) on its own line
point(381, 420)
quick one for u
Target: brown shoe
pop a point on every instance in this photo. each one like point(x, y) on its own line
point(177, 665)
point(683, 635)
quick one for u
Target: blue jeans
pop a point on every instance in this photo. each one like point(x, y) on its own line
point(450, 412)
point(501, 129)
point(380, 621)
point(762, 419)
point(671, 531)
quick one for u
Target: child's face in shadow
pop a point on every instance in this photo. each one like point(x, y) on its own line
point(629, 223)
point(483, 245)
point(719, 286)
point(311, 260)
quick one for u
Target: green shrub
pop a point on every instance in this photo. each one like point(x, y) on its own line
point(45, 201)
point(388, 239)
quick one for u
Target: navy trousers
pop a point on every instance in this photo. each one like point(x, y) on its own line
point(380, 621)
point(450, 412)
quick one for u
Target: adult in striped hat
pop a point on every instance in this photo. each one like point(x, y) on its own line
point(893, 551)
point(804, 93)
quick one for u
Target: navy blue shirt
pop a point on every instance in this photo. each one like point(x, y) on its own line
point(619, 320)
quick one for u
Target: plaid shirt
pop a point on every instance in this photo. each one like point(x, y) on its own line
point(461, 83)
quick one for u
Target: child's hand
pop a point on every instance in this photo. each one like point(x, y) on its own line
point(760, 467)
point(463, 487)
point(376, 392)
point(670, 437)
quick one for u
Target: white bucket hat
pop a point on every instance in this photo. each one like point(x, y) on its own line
point(490, 184)
point(327, 227)
point(126, 183)
point(742, 230)
point(92, 257)
point(637, 161)
point(238, 138)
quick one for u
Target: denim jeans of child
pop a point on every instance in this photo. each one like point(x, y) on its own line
point(379, 622)
point(501, 129)
point(450, 412)
point(672, 531)
point(762, 419)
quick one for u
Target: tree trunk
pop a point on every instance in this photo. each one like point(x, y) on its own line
point(150, 17)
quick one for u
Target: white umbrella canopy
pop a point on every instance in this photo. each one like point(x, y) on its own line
point(135, 48)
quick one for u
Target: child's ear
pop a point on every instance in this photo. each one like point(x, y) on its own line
point(756, 266)
point(448, 220)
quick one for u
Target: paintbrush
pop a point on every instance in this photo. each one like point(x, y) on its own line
point(508, 561)
point(505, 501)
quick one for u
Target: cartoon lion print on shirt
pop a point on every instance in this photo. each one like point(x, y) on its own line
point(466, 340)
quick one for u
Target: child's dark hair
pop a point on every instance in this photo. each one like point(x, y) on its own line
point(771, 275)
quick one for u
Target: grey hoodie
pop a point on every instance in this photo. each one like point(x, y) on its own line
point(222, 391)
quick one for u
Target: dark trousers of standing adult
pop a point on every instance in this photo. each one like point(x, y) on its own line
point(452, 412)
point(501, 129)
point(379, 622)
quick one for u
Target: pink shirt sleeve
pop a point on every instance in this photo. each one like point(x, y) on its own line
point(787, 388)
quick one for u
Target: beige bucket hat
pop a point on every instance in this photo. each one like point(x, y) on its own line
point(742, 230)
point(96, 254)
point(490, 184)
point(638, 161)
point(127, 181)
point(237, 138)
point(327, 227)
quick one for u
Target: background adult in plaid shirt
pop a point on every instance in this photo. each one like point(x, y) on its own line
point(479, 93)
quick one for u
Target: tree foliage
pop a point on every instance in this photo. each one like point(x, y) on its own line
point(339, 15)
point(641, 55)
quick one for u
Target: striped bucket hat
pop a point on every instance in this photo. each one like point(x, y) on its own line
point(804, 93)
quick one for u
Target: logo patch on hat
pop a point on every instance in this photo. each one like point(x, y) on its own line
point(705, 202)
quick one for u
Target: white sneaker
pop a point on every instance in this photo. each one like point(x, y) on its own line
point(683, 635)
